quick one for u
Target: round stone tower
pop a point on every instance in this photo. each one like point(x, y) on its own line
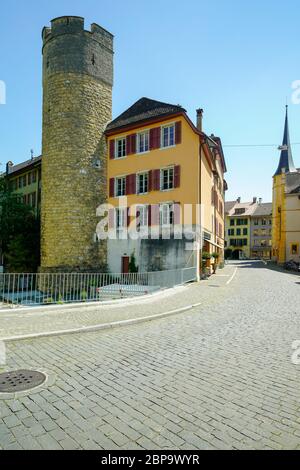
point(77, 105)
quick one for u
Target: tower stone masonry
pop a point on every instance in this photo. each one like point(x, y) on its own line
point(77, 105)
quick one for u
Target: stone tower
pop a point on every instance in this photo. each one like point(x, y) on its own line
point(77, 105)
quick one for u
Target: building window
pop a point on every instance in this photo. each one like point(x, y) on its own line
point(168, 136)
point(245, 231)
point(231, 232)
point(238, 232)
point(142, 183)
point(255, 221)
point(120, 148)
point(142, 217)
point(263, 222)
point(120, 186)
point(143, 142)
point(294, 248)
point(167, 179)
point(120, 218)
point(239, 211)
point(232, 222)
point(166, 214)
point(242, 222)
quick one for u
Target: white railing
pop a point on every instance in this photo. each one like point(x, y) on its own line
point(60, 288)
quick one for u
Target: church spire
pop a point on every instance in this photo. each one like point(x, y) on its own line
point(286, 162)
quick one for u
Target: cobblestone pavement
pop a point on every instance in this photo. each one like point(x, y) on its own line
point(217, 377)
point(34, 320)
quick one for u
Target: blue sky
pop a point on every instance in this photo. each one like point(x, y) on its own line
point(235, 59)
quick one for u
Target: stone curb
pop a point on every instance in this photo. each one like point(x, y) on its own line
point(103, 326)
point(73, 306)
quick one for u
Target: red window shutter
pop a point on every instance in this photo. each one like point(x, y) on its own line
point(112, 149)
point(128, 216)
point(128, 184)
point(133, 183)
point(111, 218)
point(150, 181)
point(149, 215)
point(128, 145)
point(133, 143)
point(111, 187)
point(155, 138)
point(178, 132)
point(177, 176)
point(177, 213)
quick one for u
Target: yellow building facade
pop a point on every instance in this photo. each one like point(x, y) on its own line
point(164, 175)
point(286, 205)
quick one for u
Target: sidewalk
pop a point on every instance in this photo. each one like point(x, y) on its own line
point(56, 320)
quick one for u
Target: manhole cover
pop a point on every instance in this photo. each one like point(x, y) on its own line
point(20, 380)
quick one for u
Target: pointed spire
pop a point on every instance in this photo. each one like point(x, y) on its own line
point(286, 162)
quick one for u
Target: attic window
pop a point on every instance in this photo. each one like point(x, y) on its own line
point(239, 211)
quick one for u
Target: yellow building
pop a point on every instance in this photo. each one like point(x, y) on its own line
point(286, 205)
point(166, 176)
point(238, 227)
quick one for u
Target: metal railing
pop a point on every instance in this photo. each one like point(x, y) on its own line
point(61, 288)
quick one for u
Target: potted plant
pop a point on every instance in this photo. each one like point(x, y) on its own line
point(215, 257)
point(206, 257)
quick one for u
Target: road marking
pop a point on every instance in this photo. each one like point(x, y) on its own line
point(232, 277)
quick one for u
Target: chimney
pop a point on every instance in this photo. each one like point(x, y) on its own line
point(199, 119)
point(254, 200)
point(9, 165)
point(239, 200)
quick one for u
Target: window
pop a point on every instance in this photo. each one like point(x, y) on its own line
point(120, 186)
point(240, 211)
point(255, 221)
point(238, 231)
point(232, 222)
point(242, 222)
point(120, 218)
point(294, 248)
point(263, 222)
point(142, 217)
point(142, 183)
point(167, 179)
point(143, 142)
point(120, 148)
point(166, 214)
point(245, 231)
point(168, 136)
point(231, 232)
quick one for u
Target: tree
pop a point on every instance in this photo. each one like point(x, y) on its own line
point(133, 268)
point(19, 232)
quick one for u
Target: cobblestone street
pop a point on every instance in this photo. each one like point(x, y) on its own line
point(217, 377)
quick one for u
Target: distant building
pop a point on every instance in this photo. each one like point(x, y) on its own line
point(261, 231)
point(24, 179)
point(286, 204)
point(238, 225)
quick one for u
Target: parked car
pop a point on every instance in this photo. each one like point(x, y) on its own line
point(292, 266)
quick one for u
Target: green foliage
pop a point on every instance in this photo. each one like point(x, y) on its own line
point(19, 232)
point(133, 268)
point(216, 255)
point(206, 255)
point(84, 295)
